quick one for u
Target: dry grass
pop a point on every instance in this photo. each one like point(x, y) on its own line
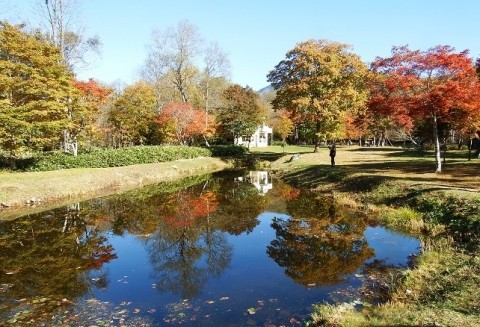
point(52, 188)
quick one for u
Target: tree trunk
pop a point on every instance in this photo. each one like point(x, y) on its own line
point(207, 94)
point(436, 141)
point(317, 137)
point(470, 149)
point(445, 140)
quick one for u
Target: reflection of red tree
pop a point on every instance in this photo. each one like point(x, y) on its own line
point(100, 255)
point(187, 209)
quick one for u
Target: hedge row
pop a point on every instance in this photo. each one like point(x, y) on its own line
point(123, 157)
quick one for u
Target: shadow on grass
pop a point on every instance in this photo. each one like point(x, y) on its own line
point(367, 176)
point(265, 156)
point(412, 153)
point(375, 149)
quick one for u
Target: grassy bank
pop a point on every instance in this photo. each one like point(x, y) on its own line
point(42, 190)
point(443, 210)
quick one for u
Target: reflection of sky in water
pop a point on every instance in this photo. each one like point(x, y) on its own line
point(389, 246)
point(252, 279)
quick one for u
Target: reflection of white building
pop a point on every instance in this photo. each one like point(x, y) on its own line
point(260, 179)
point(258, 139)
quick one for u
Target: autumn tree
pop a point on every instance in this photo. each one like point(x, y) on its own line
point(94, 97)
point(439, 84)
point(133, 115)
point(182, 123)
point(282, 125)
point(37, 97)
point(319, 82)
point(241, 113)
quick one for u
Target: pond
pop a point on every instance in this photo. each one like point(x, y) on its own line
point(232, 249)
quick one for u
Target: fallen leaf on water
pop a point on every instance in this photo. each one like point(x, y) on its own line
point(210, 302)
point(251, 311)
point(224, 298)
point(136, 310)
point(151, 310)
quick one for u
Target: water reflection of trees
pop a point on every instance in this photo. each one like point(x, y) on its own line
point(319, 244)
point(190, 245)
point(50, 256)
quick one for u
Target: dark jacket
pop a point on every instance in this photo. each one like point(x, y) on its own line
point(333, 151)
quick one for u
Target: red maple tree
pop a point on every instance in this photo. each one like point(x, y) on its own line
point(92, 92)
point(438, 84)
point(183, 122)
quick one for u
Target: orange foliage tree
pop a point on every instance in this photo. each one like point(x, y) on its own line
point(182, 123)
point(438, 84)
point(93, 96)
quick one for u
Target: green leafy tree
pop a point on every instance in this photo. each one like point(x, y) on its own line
point(241, 112)
point(37, 96)
point(318, 82)
point(133, 115)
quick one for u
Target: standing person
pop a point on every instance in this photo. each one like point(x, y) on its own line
point(333, 153)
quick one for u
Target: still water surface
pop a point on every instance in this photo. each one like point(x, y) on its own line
point(232, 249)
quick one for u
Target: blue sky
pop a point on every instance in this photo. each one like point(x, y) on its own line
point(256, 34)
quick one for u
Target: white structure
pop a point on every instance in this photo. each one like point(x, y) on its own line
point(258, 139)
point(261, 180)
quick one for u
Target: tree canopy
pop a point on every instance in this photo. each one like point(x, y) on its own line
point(241, 112)
point(36, 93)
point(318, 82)
point(133, 114)
point(182, 122)
point(438, 84)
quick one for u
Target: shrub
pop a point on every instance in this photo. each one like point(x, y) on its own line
point(228, 150)
point(117, 157)
point(461, 217)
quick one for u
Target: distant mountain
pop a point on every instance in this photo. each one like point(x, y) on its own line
point(266, 89)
